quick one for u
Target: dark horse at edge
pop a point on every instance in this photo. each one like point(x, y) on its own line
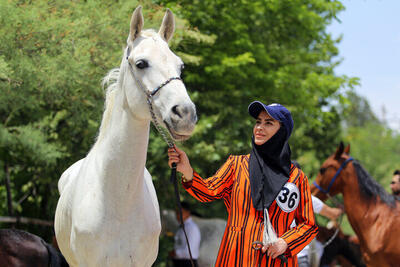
point(22, 249)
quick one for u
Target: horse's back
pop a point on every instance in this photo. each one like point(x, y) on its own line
point(19, 248)
point(22, 249)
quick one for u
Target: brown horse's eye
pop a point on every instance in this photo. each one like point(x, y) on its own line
point(322, 170)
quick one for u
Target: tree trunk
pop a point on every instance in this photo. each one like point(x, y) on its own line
point(8, 188)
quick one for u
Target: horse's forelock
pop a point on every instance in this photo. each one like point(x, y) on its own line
point(149, 33)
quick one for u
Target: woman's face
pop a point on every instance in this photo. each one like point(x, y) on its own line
point(265, 128)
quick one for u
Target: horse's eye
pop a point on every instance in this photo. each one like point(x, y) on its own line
point(142, 64)
point(182, 67)
point(322, 170)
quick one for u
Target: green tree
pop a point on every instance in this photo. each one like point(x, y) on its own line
point(273, 50)
point(357, 111)
point(372, 141)
point(52, 58)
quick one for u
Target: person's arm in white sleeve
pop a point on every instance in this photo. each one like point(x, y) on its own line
point(320, 208)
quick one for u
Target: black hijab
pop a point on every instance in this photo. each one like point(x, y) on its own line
point(269, 168)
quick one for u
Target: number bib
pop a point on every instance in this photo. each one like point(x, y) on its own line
point(289, 197)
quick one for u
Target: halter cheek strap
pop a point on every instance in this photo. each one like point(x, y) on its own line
point(149, 96)
point(326, 191)
point(148, 93)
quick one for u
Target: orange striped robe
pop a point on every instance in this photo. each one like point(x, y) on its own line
point(245, 224)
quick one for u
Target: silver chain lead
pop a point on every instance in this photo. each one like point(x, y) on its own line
point(158, 127)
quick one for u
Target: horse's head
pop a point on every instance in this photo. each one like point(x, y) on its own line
point(152, 74)
point(331, 174)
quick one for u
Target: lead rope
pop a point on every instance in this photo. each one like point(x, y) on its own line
point(178, 203)
point(169, 142)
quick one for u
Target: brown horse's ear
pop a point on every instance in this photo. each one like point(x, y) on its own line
point(339, 150)
point(347, 149)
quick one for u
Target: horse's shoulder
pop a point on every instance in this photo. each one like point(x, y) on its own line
point(69, 174)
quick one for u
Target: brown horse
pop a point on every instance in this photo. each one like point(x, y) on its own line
point(372, 212)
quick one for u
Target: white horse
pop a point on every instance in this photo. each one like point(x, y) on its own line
point(108, 213)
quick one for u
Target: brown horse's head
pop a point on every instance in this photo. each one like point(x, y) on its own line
point(327, 173)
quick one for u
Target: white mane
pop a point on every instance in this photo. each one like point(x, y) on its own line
point(110, 84)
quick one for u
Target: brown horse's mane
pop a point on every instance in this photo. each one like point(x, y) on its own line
point(370, 188)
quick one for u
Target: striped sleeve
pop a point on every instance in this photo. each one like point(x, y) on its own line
point(298, 237)
point(217, 186)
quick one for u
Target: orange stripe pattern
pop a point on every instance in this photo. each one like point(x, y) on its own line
point(245, 224)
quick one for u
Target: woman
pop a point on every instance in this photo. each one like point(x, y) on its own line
point(262, 183)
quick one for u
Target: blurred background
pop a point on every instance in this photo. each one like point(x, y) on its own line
point(304, 54)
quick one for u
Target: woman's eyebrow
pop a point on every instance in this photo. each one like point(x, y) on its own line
point(266, 120)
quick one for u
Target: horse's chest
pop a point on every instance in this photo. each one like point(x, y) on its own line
point(120, 243)
point(116, 238)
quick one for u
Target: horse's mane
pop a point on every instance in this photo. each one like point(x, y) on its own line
point(370, 188)
point(110, 84)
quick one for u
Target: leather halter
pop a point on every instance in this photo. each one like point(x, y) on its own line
point(326, 191)
point(149, 95)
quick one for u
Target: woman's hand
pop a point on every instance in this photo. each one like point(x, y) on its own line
point(182, 162)
point(275, 249)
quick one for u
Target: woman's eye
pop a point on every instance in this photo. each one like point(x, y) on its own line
point(142, 64)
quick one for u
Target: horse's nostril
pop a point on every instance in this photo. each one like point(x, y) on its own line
point(176, 111)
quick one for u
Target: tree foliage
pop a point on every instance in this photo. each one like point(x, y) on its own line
point(53, 55)
point(52, 58)
point(274, 51)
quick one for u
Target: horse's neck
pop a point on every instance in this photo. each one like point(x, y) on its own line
point(120, 154)
point(356, 206)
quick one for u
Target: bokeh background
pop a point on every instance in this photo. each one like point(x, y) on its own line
point(53, 55)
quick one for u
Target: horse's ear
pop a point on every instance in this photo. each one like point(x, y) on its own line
point(339, 151)
point(347, 149)
point(168, 26)
point(136, 23)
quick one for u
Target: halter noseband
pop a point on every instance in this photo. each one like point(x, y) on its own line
point(149, 95)
point(326, 191)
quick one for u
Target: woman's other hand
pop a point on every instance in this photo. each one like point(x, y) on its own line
point(175, 155)
point(275, 249)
